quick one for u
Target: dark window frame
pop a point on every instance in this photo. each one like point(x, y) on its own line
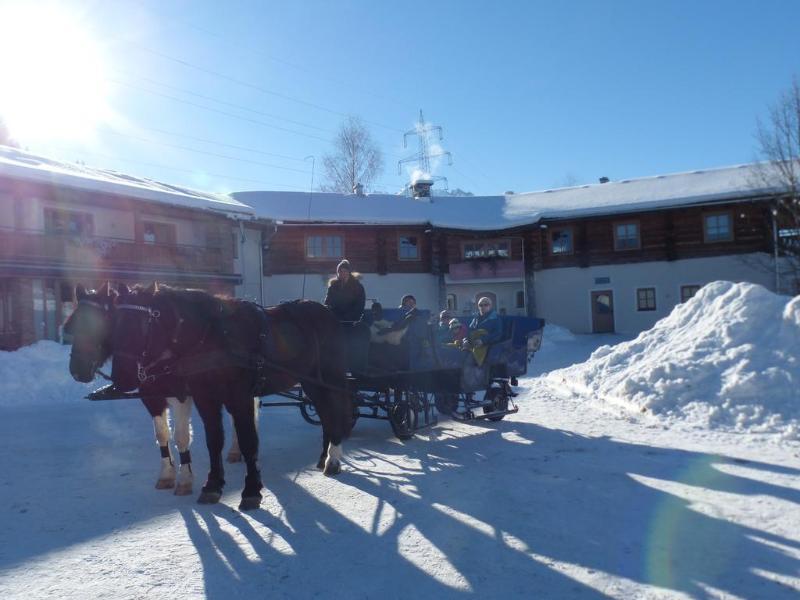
point(418, 246)
point(482, 251)
point(54, 216)
point(684, 288)
point(646, 299)
point(553, 230)
point(715, 240)
point(617, 239)
point(324, 247)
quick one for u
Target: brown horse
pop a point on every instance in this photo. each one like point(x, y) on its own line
point(228, 350)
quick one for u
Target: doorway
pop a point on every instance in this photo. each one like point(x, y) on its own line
point(603, 312)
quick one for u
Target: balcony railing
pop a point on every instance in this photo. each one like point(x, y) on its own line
point(486, 269)
point(109, 253)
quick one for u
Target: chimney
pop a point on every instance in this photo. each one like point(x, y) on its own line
point(358, 189)
point(421, 188)
point(604, 180)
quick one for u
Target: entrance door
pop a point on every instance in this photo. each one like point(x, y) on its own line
point(603, 312)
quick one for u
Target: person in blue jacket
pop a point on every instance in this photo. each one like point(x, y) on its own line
point(484, 329)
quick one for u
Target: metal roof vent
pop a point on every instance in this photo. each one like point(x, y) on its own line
point(421, 188)
point(358, 189)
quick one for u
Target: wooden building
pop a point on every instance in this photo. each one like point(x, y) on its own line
point(63, 224)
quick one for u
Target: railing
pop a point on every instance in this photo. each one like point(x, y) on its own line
point(101, 252)
point(486, 269)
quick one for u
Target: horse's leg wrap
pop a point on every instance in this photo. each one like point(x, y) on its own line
point(324, 456)
point(166, 477)
point(333, 464)
point(183, 439)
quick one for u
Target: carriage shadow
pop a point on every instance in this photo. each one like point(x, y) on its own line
point(562, 509)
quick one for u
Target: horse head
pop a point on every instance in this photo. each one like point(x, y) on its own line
point(154, 327)
point(90, 326)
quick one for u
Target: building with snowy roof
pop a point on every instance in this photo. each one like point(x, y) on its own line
point(612, 256)
point(62, 224)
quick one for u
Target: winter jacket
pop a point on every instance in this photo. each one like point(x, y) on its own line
point(490, 323)
point(346, 300)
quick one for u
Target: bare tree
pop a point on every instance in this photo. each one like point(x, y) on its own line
point(355, 159)
point(779, 144)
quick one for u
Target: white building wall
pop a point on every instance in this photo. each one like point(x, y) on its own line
point(563, 296)
point(248, 263)
point(506, 293)
point(386, 289)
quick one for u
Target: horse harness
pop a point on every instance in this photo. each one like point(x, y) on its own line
point(214, 359)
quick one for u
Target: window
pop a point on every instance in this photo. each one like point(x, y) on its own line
point(6, 304)
point(561, 241)
point(67, 222)
point(452, 302)
point(408, 247)
point(688, 292)
point(324, 246)
point(487, 249)
point(646, 299)
point(626, 236)
point(520, 299)
point(718, 228)
point(158, 233)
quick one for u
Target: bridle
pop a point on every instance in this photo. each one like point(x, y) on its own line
point(98, 347)
point(146, 371)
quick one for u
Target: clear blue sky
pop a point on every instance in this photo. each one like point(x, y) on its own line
point(531, 95)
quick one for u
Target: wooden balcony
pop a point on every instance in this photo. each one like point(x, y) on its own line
point(501, 268)
point(109, 254)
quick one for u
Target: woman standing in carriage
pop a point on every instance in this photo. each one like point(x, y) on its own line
point(345, 297)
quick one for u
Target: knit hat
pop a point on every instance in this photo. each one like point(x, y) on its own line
point(345, 264)
point(454, 324)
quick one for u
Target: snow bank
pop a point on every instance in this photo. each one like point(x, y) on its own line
point(555, 334)
point(729, 358)
point(39, 375)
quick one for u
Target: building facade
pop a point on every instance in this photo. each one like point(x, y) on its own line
point(62, 225)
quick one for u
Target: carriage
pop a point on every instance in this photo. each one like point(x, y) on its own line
point(421, 378)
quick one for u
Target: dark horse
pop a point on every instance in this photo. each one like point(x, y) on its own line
point(229, 350)
point(91, 325)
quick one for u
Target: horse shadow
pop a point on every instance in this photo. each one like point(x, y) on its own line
point(508, 508)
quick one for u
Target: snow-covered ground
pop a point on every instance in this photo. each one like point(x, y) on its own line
point(572, 497)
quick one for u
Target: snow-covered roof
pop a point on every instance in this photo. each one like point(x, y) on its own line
point(454, 212)
point(646, 193)
point(18, 164)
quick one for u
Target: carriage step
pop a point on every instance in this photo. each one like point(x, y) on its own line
point(472, 416)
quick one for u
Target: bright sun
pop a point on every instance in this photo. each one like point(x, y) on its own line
point(52, 80)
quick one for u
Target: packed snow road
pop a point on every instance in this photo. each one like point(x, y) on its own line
point(560, 500)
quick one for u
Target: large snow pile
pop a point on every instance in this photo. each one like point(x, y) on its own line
point(39, 375)
point(727, 358)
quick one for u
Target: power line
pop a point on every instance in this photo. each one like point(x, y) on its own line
point(189, 149)
point(218, 143)
point(258, 88)
point(224, 102)
point(216, 110)
point(257, 51)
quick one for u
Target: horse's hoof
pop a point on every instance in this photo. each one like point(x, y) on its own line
point(332, 469)
point(209, 497)
point(183, 489)
point(321, 463)
point(250, 503)
point(234, 457)
point(165, 484)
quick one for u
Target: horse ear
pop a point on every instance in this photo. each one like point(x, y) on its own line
point(80, 292)
point(123, 289)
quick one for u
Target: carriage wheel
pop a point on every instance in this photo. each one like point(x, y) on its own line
point(309, 412)
point(446, 404)
point(403, 419)
point(499, 402)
